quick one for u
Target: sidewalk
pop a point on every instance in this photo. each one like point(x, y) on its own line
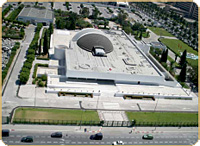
point(96, 129)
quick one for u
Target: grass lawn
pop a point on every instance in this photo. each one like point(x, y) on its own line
point(173, 45)
point(160, 31)
point(170, 60)
point(162, 117)
point(55, 114)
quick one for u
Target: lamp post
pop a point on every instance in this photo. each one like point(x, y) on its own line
point(155, 109)
point(35, 97)
point(80, 102)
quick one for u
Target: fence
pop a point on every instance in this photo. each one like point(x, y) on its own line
point(118, 123)
point(167, 124)
point(103, 123)
point(73, 122)
point(56, 122)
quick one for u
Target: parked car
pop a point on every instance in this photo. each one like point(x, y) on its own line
point(5, 132)
point(57, 134)
point(147, 136)
point(27, 139)
point(118, 143)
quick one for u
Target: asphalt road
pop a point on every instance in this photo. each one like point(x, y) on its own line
point(172, 136)
point(9, 98)
point(13, 81)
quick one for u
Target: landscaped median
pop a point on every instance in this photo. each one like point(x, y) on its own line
point(163, 118)
point(27, 115)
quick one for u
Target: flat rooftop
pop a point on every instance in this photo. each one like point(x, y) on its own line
point(124, 59)
point(36, 13)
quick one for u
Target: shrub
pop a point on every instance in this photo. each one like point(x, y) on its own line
point(31, 51)
point(33, 82)
point(44, 77)
point(24, 76)
point(6, 10)
point(5, 71)
point(27, 65)
point(12, 16)
point(40, 83)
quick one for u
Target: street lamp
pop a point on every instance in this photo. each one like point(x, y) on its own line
point(35, 97)
point(155, 110)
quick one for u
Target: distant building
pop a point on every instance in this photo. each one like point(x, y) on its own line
point(123, 4)
point(36, 15)
point(190, 7)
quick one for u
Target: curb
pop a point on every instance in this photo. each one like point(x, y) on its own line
point(95, 131)
point(145, 132)
point(11, 70)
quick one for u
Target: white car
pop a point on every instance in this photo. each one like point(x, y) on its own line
point(118, 143)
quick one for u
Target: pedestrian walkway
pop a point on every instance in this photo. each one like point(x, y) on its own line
point(112, 116)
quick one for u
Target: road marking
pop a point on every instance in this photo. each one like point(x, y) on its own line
point(108, 142)
point(12, 136)
point(48, 141)
point(180, 141)
point(102, 142)
point(73, 142)
point(161, 141)
point(91, 142)
point(135, 142)
point(42, 142)
point(166, 141)
point(55, 142)
point(18, 135)
point(11, 141)
point(66, 141)
point(79, 142)
point(130, 142)
point(85, 142)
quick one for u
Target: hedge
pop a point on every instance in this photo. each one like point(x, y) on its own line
point(36, 66)
point(24, 75)
point(6, 10)
point(12, 55)
point(12, 16)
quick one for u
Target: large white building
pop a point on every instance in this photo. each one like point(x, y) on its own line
point(109, 56)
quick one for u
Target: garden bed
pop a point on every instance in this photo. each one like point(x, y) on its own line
point(75, 94)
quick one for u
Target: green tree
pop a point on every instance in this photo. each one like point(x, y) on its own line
point(106, 22)
point(84, 11)
point(183, 58)
point(51, 28)
point(39, 49)
point(164, 56)
point(81, 5)
point(182, 75)
point(46, 42)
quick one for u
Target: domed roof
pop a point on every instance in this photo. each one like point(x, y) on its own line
point(88, 38)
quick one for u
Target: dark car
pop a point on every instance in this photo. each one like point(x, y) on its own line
point(147, 136)
point(57, 134)
point(27, 139)
point(5, 133)
point(98, 136)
